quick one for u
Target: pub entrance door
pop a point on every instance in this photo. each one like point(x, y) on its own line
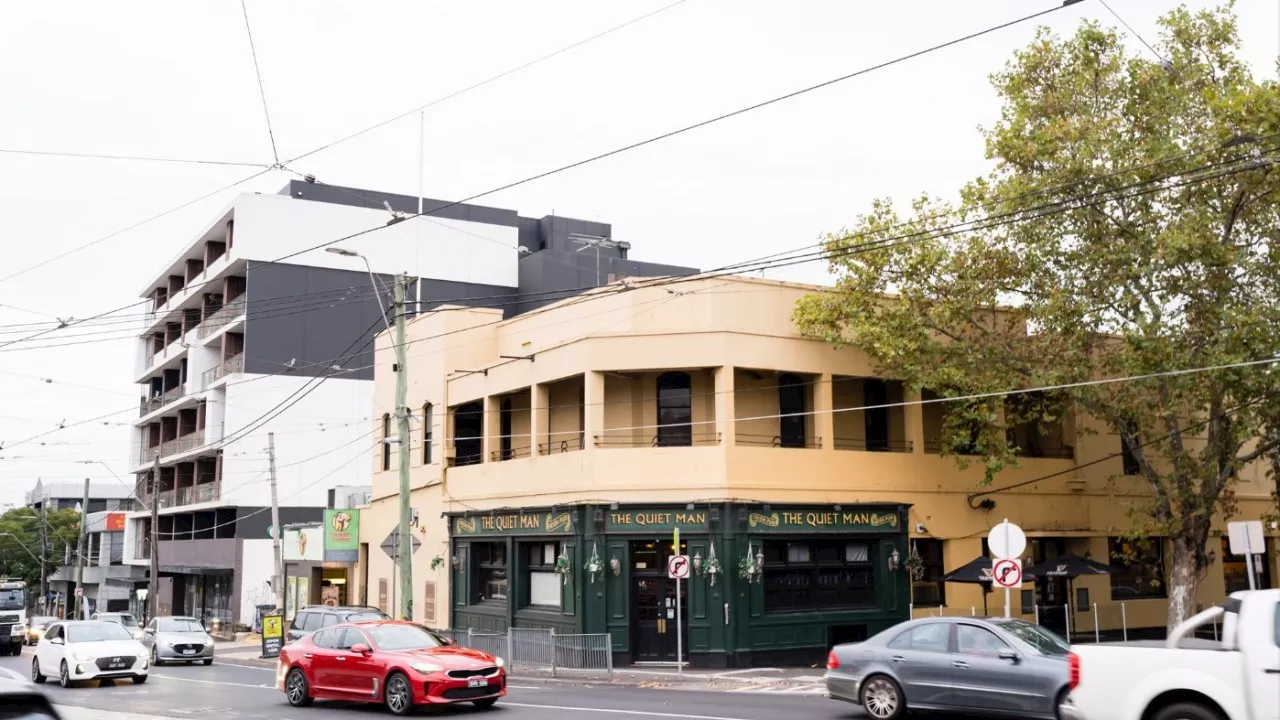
point(653, 602)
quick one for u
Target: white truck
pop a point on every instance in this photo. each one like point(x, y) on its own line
point(13, 616)
point(1235, 678)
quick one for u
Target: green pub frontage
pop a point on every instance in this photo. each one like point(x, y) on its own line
point(770, 584)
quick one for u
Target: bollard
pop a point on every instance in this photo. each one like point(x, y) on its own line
point(1036, 607)
point(1096, 637)
point(1066, 611)
point(608, 653)
point(1124, 623)
point(553, 652)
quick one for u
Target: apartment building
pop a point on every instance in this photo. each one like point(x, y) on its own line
point(53, 496)
point(252, 329)
point(580, 437)
point(109, 584)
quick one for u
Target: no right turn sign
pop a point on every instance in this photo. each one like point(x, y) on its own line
point(1007, 572)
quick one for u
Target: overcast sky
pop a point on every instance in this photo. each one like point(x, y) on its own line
point(174, 79)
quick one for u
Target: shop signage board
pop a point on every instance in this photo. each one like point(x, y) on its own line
point(272, 634)
point(341, 535)
point(115, 522)
point(823, 519)
point(658, 519)
point(515, 523)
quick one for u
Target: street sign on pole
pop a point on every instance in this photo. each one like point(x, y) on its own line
point(1007, 572)
point(391, 544)
point(1007, 541)
point(678, 567)
point(1246, 538)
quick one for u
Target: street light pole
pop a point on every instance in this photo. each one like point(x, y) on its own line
point(405, 555)
point(84, 513)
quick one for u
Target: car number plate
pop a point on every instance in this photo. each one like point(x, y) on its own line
point(189, 651)
point(114, 664)
point(477, 682)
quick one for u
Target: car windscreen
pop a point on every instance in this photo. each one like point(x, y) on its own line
point(1035, 636)
point(14, 599)
point(96, 632)
point(179, 625)
point(127, 620)
point(395, 638)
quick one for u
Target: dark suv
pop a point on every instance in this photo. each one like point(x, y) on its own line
point(313, 617)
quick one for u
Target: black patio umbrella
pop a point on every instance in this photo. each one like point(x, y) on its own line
point(974, 572)
point(1066, 566)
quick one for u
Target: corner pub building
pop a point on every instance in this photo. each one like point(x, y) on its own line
point(801, 482)
point(769, 584)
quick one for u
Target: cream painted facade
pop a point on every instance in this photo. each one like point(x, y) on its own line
point(577, 383)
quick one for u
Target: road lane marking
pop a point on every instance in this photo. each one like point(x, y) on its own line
point(213, 682)
point(612, 711)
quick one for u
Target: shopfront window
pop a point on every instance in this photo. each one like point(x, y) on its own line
point(1235, 571)
point(805, 575)
point(927, 587)
point(544, 584)
point(1137, 568)
point(491, 571)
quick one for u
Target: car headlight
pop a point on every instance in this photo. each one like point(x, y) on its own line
point(426, 668)
point(15, 630)
point(82, 656)
point(499, 661)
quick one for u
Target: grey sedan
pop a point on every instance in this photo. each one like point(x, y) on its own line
point(177, 639)
point(991, 667)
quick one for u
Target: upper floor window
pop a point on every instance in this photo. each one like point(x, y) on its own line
point(468, 430)
point(426, 434)
point(504, 429)
point(1129, 434)
point(675, 409)
point(792, 421)
point(875, 395)
point(386, 446)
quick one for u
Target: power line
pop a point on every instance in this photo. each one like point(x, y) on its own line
point(1135, 32)
point(262, 92)
point(142, 158)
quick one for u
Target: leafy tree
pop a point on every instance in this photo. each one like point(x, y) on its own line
point(20, 543)
point(1128, 228)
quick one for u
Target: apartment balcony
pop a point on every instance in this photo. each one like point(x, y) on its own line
point(229, 366)
point(179, 497)
point(169, 448)
point(151, 405)
point(862, 444)
point(222, 318)
point(663, 440)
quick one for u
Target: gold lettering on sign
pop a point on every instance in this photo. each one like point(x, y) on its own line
point(691, 518)
point(619, 519)
point(562, 521)
point(770, 520)
point(466, 525)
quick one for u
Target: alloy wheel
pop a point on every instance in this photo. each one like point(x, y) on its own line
point(880, 698)
point(64, 675)
point(398, 699)
point(296, 688)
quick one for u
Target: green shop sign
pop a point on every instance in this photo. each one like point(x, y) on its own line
point(822, 520)
point(662, 520)
point(519, 523)
point(342, 535)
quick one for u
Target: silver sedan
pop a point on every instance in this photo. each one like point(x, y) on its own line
point(991, 667)
point(177, 639)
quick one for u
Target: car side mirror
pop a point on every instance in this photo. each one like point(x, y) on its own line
point(56, 641)
point(360, 649)
point(1010, 655)
point(150, 631)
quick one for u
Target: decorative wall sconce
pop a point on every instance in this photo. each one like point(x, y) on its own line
point(593, 566)
point(563, 569)
point(894, 559)
point(456, 562)
point(615, 566)
point(697, 563)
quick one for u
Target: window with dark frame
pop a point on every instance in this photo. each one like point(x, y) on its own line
point(792, 421)
point(675, 410)
point(386, 446)
point(540, 562)
point(807, 575)
point(929, 590)
point(1129, 433)
point(875, 394)
point(504, 429)
point(1137, 568)
point(468, 430)
point(426, 433)
point(490, 559)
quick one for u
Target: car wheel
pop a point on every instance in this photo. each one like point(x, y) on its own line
point(296, 689)
point(139, 679)
point(64, 675)
point(484, 704)
point(208, 662)
point(398, 695)
point(882, 698)
point(16, 650)
point(155, 658)
point(37, 677)
point(1186, 711)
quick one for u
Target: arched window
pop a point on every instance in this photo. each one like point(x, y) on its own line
point(792, 422)
point(675, 410)
point(386, 446)
point(426, 433)
point(468, 432)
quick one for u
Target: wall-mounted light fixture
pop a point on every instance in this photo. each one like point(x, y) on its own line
point(697, 563)
point(615, 566)
point(456, 561)
point(894, 560)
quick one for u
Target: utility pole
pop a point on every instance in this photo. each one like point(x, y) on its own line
point(277, 580)
point(405, 554)
point(84, 512)
point(153, 584)
point(44, 558)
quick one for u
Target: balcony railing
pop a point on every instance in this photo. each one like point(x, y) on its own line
point(560, 446)
point(189, 442)
point(192, 494)
point(229, 366)
point(776, 441)
point(511, 453)
point(897, 446)
point(151, 405)
point(222, 317)
point(675, 439)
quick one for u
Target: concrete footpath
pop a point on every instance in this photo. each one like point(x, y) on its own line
point(791, 681)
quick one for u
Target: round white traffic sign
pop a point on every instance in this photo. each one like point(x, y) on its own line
point(1006, 540)
point(678, 567)
point(1007, 573)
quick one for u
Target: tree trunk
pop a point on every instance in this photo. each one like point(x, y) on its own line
point(1184, 581)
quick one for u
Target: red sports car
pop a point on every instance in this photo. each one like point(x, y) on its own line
point(399, 664)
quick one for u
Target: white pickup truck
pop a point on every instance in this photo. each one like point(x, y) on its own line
point(1236, 678)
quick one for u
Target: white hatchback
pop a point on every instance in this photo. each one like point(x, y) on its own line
point(88, 650)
